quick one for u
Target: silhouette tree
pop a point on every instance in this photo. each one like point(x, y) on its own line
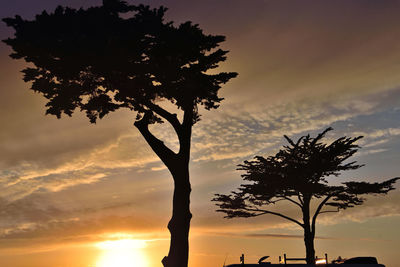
point(116, 56)
point(299, 174)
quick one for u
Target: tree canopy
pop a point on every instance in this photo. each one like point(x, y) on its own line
point(118, 55)
point(301, 169)
point(300, 173)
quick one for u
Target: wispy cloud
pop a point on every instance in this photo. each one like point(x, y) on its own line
point(233, 134)
point(374, 207)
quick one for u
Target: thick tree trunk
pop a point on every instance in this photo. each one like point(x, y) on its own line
point(180, 222)
point(309, 243)
point(308, 233)
point(178, 226)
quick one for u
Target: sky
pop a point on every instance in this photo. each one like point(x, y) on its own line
point(67, 185)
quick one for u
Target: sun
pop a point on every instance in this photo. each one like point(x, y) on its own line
point(122, 253)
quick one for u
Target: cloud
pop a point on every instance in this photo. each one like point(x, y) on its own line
point(374, 207)
point(243, 132)
point(90, 166)
point(230, 136)
point(375, 139)
point(38, 223)
point(76, 232)
point(379, 135)
point(263, 235)
point(286, 236)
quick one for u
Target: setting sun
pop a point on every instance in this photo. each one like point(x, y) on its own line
point(122, 253)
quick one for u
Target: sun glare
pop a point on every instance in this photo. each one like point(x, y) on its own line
point(122, 253)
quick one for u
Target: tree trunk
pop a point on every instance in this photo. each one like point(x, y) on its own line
point(308, 233)
point(178, 165)
point(309, 243)
point(180, 222)
point(178, 226)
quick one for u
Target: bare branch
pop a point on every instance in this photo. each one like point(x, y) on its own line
point(162, 151)
point(318, 211)
point(300, 199)
point(262, 212)
point(171, 118)
point(293, 201)
point(327, 211)
point(276, 200)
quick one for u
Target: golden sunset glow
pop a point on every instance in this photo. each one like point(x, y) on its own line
point(122, 253)
point(81, 194)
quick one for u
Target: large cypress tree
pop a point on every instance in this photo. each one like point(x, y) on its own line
point(116, 56)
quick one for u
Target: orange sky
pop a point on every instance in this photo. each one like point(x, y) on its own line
point(303, 66)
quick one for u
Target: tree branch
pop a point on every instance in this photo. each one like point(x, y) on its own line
point(318, 211)
point(183, 130)
point(274, 213)
point(299, 197)
point(185, 136)
point(293, 201)
point(188, 116)
point(326, 211)
point(277, 200)
point(162, 151)
point(171, 118)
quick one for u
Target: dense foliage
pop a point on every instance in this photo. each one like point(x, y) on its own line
point(117, 55)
